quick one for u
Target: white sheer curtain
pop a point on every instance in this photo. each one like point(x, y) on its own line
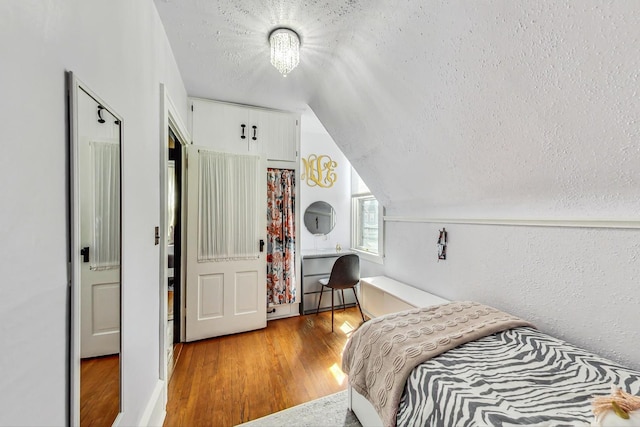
point(172, 207)
point(228, 207)
point(105, 252)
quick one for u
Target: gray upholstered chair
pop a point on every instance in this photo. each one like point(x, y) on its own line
point(345, 274)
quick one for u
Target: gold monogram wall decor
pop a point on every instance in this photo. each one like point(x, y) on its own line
point(319, 171)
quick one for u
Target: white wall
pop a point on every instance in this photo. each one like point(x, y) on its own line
point(503, 110)
point(576, 284)
point(314, 140)
point(119, 50)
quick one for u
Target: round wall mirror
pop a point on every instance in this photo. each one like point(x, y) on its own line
point(320, 218)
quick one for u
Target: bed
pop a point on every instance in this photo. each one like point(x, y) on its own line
point(488, 368)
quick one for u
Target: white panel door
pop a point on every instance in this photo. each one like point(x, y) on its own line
point(222, 297)
point(99, 289)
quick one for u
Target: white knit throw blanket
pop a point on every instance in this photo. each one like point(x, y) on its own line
point(381, 354)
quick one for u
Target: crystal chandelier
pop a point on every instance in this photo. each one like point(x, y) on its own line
point(285, 50)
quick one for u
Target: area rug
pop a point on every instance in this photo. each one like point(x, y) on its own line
point(328, 411)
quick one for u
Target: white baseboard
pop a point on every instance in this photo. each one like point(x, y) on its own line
point(155, 411)
point(283, 310)
point(116, 422)
point(284, 316)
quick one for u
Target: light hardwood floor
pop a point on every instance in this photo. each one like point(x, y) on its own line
point(99, 389)
point(229, 380)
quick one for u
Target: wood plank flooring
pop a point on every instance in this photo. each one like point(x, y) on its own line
point(229, 380)
point(99, 390)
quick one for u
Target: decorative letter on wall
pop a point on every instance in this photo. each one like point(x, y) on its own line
point(319, 171)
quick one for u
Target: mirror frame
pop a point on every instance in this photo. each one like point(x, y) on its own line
point(333, 217)
point(74, 86)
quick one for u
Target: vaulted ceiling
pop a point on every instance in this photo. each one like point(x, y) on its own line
point(453, 108)
point(222, 47)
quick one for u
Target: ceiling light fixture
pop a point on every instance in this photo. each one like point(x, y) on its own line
point(285, 49)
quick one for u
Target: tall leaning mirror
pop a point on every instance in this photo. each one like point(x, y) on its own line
point(95, 217)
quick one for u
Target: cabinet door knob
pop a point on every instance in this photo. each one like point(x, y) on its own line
point(255, 131)
point(242, 136)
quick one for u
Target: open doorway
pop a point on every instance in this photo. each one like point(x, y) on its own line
point(174, 248)
point(170, 236)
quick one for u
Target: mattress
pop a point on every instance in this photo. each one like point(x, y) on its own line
point(517, 377)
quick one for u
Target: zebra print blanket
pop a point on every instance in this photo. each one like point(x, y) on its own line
point(517, 377)
point(380, 355)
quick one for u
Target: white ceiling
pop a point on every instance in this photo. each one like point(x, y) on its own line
point(222, 48)
point(445, 108)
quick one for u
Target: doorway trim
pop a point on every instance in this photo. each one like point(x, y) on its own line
point(169, 118)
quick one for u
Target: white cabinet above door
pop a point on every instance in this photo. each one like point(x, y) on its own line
point(243, 129)
point(218, 125)
point(280, 135)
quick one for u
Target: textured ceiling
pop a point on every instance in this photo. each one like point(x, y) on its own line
point(457, 108)
point(222, 47)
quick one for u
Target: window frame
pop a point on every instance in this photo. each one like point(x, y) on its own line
point(357, 229)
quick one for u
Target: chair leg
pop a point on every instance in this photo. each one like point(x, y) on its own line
point(358, 302)
point(332, 310)
point(344, 302)
point(319, 300)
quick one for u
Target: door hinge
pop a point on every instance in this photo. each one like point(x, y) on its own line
point(191, 107)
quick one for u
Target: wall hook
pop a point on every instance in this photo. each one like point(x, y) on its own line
point(100, 119)
point(442, 244)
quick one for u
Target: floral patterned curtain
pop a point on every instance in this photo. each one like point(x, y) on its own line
point(281, 241)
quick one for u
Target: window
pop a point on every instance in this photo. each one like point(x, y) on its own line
point(367, 225)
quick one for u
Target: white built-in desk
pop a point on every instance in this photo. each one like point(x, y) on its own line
point(382, 295)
